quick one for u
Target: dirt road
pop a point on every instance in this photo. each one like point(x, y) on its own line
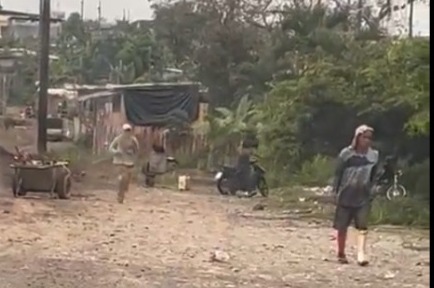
point(161, 238)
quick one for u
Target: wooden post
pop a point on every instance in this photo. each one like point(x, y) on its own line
point(82, 9)
point(44, 32)
point(3, 95)
point(410, 19)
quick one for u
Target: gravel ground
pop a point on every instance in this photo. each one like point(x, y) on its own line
point(162, 238)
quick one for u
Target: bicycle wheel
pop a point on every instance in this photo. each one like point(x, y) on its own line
point(397, 191)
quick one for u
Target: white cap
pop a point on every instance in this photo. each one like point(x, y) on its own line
point(362, 129)
point(126, 126)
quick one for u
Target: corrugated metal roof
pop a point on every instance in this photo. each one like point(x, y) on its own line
point(20, 52)
point(126, 86)
point(63, 93)
point(96, 91)
point(96, 95)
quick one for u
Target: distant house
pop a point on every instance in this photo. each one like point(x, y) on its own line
point(102, 30)
point(20, 25)
point(56, 97)
point(143, 24)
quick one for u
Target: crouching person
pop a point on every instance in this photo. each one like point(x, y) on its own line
point(124, 148)
point(353, 183)
point(157, 162)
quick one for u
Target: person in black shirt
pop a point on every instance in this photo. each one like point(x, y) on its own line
point(248, 146)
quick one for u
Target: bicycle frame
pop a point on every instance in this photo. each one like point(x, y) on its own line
point(396, 179)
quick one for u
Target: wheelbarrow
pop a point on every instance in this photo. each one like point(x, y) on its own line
point(53, 177)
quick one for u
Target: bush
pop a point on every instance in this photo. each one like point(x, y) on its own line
point(316, 172)
point(416, 180)
point(277, 177)
point(406, 211)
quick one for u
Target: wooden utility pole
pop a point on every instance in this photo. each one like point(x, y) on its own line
point(99, 12)
point(44, 33)
point(82, 9)
point(410, 19)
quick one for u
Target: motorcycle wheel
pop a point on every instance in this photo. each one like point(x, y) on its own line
point(397, 191)
point(223, 187)
point(263, 187)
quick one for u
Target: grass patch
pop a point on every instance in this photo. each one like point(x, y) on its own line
point(296, 198)
point(316, 172)
point(403, 212)
point(409, 212)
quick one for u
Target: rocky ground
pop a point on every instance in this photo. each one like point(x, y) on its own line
point(167, 239)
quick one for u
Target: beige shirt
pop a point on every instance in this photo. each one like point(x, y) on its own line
point(125, 149)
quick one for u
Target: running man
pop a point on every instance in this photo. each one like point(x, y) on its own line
point(124, 148)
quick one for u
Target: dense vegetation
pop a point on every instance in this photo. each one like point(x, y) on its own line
point(302, 75)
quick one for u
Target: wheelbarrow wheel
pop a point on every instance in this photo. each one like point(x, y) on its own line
point(17, 186)
point(63, 187)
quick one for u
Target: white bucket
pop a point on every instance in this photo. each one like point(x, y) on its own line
point(183, 182)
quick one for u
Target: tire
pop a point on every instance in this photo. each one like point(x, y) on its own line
point(220, 186)
point(63, 187)
point(263, 187)
point(222, 183)
point(397, 191)
point(17, 187)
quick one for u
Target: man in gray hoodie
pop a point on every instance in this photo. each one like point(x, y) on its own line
point(354, 180)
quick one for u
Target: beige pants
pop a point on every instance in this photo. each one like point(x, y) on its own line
point(124, 175)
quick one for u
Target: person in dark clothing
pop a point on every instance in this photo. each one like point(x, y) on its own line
point(245, 171)
point(388, 171)
point(354, 179)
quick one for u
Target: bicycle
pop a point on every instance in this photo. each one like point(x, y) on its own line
point(396, 190)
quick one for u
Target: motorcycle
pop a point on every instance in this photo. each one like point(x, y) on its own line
point(392, 190)
point(228, 180)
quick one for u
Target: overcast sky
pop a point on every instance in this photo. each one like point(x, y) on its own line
point(139, 9)
point(111, 9)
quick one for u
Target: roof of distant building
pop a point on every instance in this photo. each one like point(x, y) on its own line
point(27, 16)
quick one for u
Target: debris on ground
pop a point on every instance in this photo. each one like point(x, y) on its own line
point(219, 256)
point(259, 207)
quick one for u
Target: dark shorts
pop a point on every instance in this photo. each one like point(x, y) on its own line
point(345, 215)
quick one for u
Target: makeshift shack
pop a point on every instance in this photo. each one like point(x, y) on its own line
point(103, 110)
